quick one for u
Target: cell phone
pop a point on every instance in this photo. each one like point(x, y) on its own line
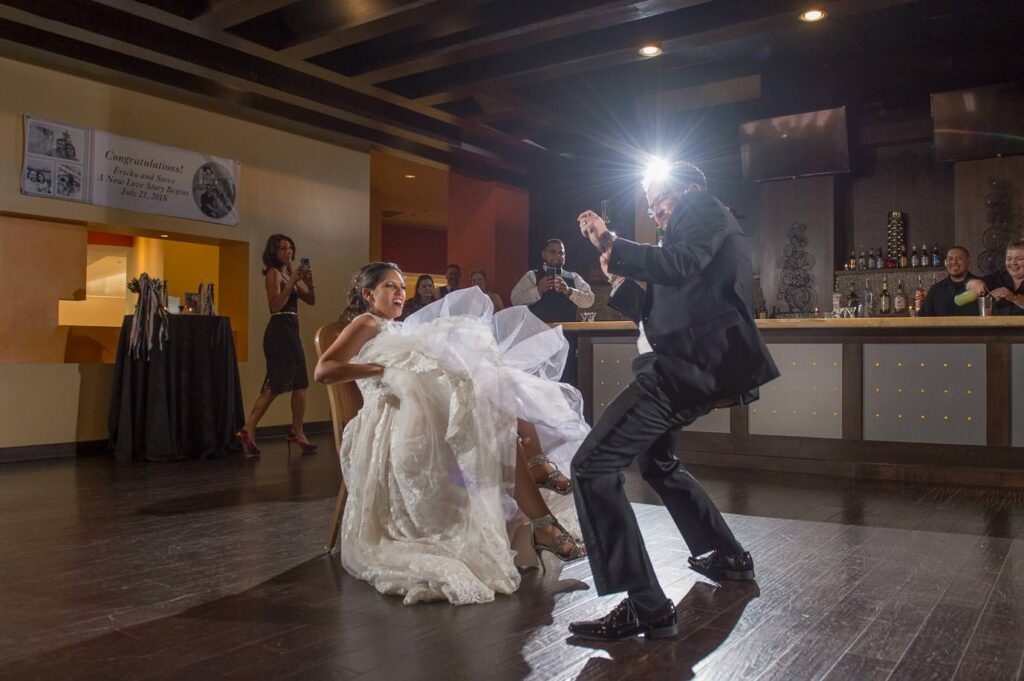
point(304, 263)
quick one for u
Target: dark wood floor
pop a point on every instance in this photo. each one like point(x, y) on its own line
point(213, 570)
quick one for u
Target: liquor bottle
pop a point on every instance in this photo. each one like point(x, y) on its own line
point(762, 311)
point(914, 260)
point(871, 259)
point(891, 262)
point(903, 255)
point(862, 261)
point(884, 299)
point(837, 297)
point(867, 301)
point(919, 294)
point(899, 301)
point(852, 300)
point(852, 263)
point(936, 258)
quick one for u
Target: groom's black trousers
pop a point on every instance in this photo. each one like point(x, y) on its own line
point(639, 424)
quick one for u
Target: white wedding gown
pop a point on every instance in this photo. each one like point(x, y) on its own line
point(429, 459)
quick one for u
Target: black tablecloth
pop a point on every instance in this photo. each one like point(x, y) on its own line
point(185, 402)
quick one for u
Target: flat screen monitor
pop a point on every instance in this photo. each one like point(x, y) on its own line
point(814, 143)
point(983, 122)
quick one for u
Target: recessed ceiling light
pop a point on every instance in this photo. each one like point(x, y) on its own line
point(813, 15)
point(649, 50)
point(164, 236)
point(410, 176)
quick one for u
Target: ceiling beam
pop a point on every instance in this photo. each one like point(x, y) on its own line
point(390, 21)
point(702, 25)
point(523, 37)
point(164, 35)
point(89, 61)
point(18, 26)
point(228, 13)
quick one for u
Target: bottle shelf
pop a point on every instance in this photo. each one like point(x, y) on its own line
point(894, 270)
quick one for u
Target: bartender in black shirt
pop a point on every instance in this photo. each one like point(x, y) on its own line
point(939, 300)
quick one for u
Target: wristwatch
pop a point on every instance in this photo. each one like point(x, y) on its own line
point(605, 241)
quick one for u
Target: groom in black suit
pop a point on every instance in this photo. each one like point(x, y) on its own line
point(700, 349)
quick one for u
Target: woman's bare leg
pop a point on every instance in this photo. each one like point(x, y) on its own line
point(530, 501)
point(258, 410)
point(298, 412)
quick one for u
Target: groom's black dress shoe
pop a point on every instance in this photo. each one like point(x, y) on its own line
point(737, 567)
point(625, 621)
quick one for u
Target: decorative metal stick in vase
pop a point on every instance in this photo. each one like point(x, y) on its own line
point(152, 303)
point(205, 300)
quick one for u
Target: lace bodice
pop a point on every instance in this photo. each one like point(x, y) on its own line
point(371, 385)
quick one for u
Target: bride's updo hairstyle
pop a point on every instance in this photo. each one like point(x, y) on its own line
point(368, 276)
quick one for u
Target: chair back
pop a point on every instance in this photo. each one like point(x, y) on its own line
point(345, 398)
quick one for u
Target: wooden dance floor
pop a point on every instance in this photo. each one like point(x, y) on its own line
point(213, 570)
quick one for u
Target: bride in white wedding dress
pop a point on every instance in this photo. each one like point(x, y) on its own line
point(463, 426)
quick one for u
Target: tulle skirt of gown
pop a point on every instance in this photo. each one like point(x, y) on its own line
point(429, 459)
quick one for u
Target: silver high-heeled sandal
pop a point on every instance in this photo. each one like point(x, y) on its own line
point(557, 547)
point(550, 482)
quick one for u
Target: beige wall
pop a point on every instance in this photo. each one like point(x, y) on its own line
point(46, 263)
point(187, 265)
point(315, 192)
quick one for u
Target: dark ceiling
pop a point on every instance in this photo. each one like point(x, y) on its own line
point(498, 87)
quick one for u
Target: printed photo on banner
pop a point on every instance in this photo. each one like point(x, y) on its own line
point(213, 189)
point(38, 177)
point(56, 156)
point(69, 182)
point(56, 140)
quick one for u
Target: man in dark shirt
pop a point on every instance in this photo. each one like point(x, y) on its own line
point(1006, 287)
point(453, 275)
point(939, 300)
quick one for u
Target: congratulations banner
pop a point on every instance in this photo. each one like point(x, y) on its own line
point(92, 166)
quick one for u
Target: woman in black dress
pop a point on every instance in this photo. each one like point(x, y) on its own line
point(424, 296)
point(282, 344)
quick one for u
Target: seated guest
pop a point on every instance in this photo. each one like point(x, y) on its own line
point(478, 278)
point(939, 300)
point(1007, 285)
point(453, 275)
point(552, 293)
point(423, 295)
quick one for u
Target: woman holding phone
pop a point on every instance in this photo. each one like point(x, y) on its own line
point(282, 344)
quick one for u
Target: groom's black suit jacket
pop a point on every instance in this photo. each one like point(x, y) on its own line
point(697, 309)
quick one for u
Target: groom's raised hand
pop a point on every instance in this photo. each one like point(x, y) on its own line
point(592, 227)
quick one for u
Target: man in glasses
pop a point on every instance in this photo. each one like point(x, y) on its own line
point(699, 349)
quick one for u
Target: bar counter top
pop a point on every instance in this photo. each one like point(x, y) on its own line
point(1006, 321)
point(934, 399)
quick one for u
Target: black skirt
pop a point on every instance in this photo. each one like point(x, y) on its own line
point(286, 362)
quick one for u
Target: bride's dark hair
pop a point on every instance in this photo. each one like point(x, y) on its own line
point(368, 276)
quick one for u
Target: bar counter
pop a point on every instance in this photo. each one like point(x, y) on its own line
point(902, 398)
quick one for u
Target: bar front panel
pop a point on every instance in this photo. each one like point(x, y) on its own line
point(612, 372)
point(612, 367)
point(925, 392)
point(1017, 386)
point(807, 399)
